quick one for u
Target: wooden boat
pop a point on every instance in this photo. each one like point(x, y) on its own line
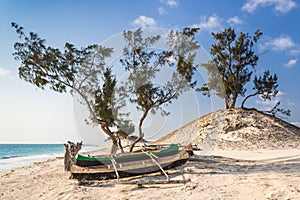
point(129, 165)
point(87, 161)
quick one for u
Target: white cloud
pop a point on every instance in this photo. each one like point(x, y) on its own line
point(4, 72)
point(269, 104)
point(171, 3)
point(144, 21)
point(280, 93)
point(281, 6)
point(278, 44)
point(282, 43)
point(161, 10)
point(291, 63)
point(290, 103)
point(234, 20)
point(212, 23)
point(295, 51)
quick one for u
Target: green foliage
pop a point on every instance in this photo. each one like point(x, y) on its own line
point(104, 97)
point(275, 110)
point(46, 66)
point(265, 86)
point(184, 45)
point(80, 72)
point(143, 64)
point(234, 58)
point(106, 107)
point(232, 67)
point(77, 71)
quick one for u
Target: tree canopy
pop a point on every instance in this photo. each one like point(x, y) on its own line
point(74, 71)
point(265, 86)
point(235, 60)
point(143, 63)
point(83, 72)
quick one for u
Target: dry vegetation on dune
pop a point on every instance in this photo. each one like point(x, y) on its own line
point(237, 128)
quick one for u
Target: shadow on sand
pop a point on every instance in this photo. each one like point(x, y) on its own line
point(224, 165)
point(203, 165)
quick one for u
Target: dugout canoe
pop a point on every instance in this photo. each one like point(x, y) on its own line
point(130, 168)
point(88, 161)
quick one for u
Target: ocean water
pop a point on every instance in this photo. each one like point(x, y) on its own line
point(19, 155)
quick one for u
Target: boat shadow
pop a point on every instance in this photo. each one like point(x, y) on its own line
point(202, 165)
point(174, 174)
point(224, 165)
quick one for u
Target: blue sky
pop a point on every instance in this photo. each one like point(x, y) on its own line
point(28, 114)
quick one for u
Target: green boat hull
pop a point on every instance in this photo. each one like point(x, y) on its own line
point(85, 161)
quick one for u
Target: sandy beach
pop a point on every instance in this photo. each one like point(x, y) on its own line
point(221, 174)
point(104, 89)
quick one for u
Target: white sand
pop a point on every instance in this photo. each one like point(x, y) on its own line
point(265, 174)
point(258, 155)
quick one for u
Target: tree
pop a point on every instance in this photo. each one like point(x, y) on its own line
point(74, 71)
point(143, 64)
point(275, 110)
point(265, 86)
point(235, 60)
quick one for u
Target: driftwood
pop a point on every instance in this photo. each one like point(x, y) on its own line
point(140, 183)
point(71, 150)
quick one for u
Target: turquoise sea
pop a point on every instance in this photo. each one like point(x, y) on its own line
point(18, 155)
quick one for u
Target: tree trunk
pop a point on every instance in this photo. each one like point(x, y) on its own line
point(120, 144)
point(114, 147)
point(226, 104)
point(233, 100)
point(251, 95)
point(226, 100)
point(141, 134)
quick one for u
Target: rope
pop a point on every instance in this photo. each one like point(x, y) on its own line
point(113, 161)
point(151, 155)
